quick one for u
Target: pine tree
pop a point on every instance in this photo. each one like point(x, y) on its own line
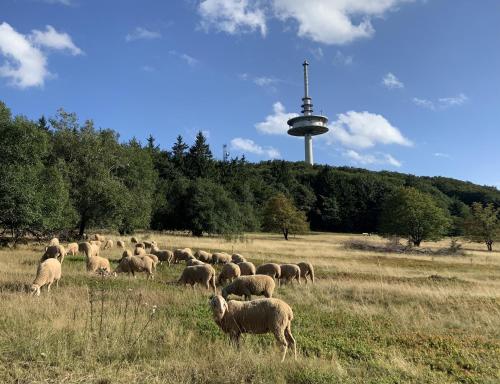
point(199, 158)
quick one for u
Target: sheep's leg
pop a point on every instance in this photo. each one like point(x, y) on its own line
point(235, 339)
point(290, 339)
point(280, 337)
point(298, 279)
point(48, 287)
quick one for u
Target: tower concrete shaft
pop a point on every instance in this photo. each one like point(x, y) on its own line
point(308, 142)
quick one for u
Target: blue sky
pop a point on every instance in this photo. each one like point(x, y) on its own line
point(409, 85)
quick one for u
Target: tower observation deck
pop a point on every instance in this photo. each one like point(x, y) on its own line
point(307, 125)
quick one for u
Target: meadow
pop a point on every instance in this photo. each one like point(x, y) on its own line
point(370, 318)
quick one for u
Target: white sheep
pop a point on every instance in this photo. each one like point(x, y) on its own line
point(257, 317)
point(229, 271)
point(133, 240)
point(289, 272)
point(54, 241)
point(120, 243)
point(247, 268)
point(97, 264)
point(183, 255)
point(154, 258)
point(192, 262)
point(163, 254)
point(47, 273)
point(100, 238)
point(206, 257)
point(72, 248)
point(139, 251)
point(132, 264)
point(108, 244)
point(250, 285)
point(306, 269)
point(198, 274)
point(88, 249)
point(54, 252)
point(269, 269)
point(97, 243)
point(221, 258)
point(237, 258)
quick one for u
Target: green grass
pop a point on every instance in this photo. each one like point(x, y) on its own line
point(368, 319)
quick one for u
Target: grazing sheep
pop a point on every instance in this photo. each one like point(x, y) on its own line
point(126, 253)
point(54, 252)
point(152, 257)
point(100, 238)
point(306, 269)
point(237, 258)
point(97, 243)
point(183, 255)
point(149, 244)
point(289, 272)
point(163, 254)
point(221, 258)
point(54, 241)
point(47, 273)
point(120, 243)
point(139, 251)
point(229, 271)
point(192, 262)
point(72, 248)
point(269, 269)
point(108, 244)
point(247, 268)
point(98, 263)
point(250, 285)
point(257, 317)
point(198, 274)
point(88, 249)
point(140, 245)
point(133, 240)
point(132, 264)
point(203, 256)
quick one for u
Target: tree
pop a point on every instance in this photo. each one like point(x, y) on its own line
point(199, 159)
point(409, 213)
point(179, 152)
point(280, 215)
point(483, 225)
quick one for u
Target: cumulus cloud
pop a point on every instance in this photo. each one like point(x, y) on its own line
point(443, 155)
point(25, 62)
point(275, 124)
point(364, 130)
point(50, 38)
point(239, 144)
point(441, 103)
point(140, 33)
point(232, 16)
point(190, 60)
point(369, 159)
point(391, 81)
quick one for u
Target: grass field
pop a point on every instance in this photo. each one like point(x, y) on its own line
point(370, 318)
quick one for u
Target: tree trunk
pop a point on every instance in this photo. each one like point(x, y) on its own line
point(285, 233)
point(83, 224)
point(489, 244)
point(417, 242)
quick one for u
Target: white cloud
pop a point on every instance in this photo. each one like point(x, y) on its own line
point(276, 124)
point(50, 38)
point(62, 2)
point(249, 146)
point(391, 81)
point(334, 21)
point(190, 60)
point(232, 16)
point(442, 103)
point(147, 68)
point(368, 159)
point(364, 130)
point(342, 59)
point(140, 33)
point(264, 81)
point(317, 53)
point(443, 155)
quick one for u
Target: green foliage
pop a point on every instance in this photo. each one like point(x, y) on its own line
point(280, 215)
point(483, 225)
point(410, 213)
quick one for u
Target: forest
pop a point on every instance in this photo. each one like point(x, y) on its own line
point(60, 176)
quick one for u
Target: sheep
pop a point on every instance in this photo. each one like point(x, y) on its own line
point(133, 240)
point(100, 238)
point(72, 248)
point(98, 263)
point(201, 274)
point(126, 253)
point(229, 271)
point(192, 262)
point(289, 272)
point(257, 317)
point(88, 249)
point(140, 245)
point(120, 243)
point(54, 241)
point(163, 254)
point(108, 244)
point(237, 258)
point(139, 251)
point(132, 264)
point(246, 268)
point(152, 257)
point(220, 258)
point(203, 256)
point(54, 252)
point(306, 269)
point(149, 244)
point(250, 285)
point(97, 243)
point(48, 272)
point(270, 269)
point(183, 255)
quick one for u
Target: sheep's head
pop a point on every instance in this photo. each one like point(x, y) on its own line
point(219, 307)
point(35, 289)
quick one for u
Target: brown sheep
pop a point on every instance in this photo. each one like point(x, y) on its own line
point(306, 269)
point(289, 272)
point(229, 271)
point(247, 268)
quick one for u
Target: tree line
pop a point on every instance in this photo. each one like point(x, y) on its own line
point(62, 176)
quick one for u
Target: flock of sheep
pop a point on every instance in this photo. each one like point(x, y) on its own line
point(237, 276)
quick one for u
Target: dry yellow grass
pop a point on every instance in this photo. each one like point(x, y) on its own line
point(371, 318)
